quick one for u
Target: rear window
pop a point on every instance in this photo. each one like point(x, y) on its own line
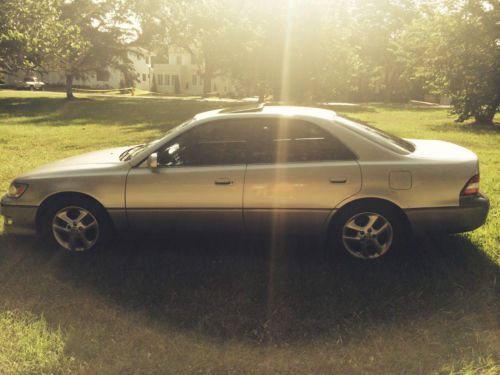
point(381, 137)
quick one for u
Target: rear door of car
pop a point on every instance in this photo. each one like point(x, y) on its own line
point(297, 174)
point(198, 184)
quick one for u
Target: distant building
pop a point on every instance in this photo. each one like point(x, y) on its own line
point(177, 72)
point(108, 78)
point(181, 73)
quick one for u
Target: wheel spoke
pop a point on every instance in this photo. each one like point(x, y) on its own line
point(60, 228)
point(352, 239)
point(81, 216)
point(86, 242)
point(64, 217)
point(371, 220)
point(377, 245)
point(72, 243)
point(352, 225)
point(382, 229)
point(90, 225)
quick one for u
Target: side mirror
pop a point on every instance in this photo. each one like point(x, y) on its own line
point(153, 161)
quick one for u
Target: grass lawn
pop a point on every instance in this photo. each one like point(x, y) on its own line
point(212, 305)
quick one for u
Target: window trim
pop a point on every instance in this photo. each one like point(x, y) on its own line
point(206, 123)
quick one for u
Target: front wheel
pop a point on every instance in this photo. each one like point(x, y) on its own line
point(75, 226)
point(367, 232)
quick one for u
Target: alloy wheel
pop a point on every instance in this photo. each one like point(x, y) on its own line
point(367, 235)
point(75, 228)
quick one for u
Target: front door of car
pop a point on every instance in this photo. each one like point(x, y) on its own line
point(297, 174)
point(198, 184)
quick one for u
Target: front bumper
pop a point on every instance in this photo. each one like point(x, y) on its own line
point(18, 219)
point(469, 215)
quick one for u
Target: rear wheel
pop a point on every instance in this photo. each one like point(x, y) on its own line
point(368, 231)
point(75, 225)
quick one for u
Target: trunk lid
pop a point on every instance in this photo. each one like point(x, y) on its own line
point(441, 151)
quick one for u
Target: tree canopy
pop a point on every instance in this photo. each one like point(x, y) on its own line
point(295, 50)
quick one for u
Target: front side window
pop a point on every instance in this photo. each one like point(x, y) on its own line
point(291, 141)
point(217, 143)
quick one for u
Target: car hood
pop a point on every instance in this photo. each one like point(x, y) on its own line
point(90, 161)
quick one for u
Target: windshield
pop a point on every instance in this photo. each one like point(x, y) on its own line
point(133, 151)
point(377, 135)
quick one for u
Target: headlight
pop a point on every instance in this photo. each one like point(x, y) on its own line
point(16, 189)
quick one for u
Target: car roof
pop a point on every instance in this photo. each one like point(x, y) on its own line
point(261, 109)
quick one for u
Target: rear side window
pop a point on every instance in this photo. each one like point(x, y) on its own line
point(293, 141)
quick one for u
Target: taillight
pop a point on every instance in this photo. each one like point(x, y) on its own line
point(471, 187)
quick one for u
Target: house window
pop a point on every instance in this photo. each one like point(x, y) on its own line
point(179, 60)
point(195, 80)
point(160, 79)
point(175, 80)
point(167, 80)
point(102, 75)
point(143, 77)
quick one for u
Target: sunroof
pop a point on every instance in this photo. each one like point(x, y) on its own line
point(256, 107)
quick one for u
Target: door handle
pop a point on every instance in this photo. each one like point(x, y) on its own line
point(223, 181)
point(338, 180)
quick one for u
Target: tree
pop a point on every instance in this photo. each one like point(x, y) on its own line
point(96, 39)
point(454, 50)
point(28, 31)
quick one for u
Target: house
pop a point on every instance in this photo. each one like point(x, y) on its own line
point(180, 73)
point(109, 78)
point(176, 73)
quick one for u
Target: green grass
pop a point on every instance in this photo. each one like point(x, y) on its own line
point(220, 305)
point(29, 346)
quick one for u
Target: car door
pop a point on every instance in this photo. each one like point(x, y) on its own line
point(198, 184)
point(297, 174)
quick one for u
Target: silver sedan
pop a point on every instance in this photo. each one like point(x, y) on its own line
point(256, 169)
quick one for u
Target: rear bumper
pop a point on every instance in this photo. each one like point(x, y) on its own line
point(469, 215)
point(18, 219)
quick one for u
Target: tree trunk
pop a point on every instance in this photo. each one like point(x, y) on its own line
point(484, 119)
point(486, 116)
point(69, 86)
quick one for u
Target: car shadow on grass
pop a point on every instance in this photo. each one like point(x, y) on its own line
point(160, 114)
point(271, 290)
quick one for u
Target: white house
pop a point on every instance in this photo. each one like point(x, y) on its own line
point(178, 73)
point(108, 78)
point(181, 73)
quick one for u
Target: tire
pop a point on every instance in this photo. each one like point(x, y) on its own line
point(75, 225)
point(367, 231)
